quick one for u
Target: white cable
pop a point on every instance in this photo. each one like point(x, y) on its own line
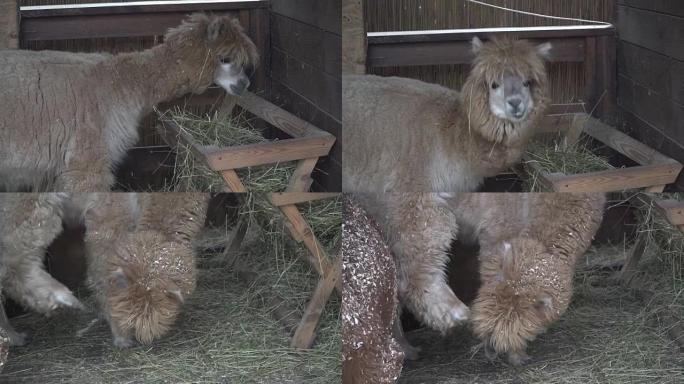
point(538, 14)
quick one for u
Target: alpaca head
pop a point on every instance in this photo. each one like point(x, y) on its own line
point(506, 87)
point(149, 279)
point(513, 305)
point(213, 49)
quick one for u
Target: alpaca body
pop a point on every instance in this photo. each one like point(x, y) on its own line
point(71, 117)
point(370, 353)
point(529, 245)
point(404, 135)
point(28, 224)
point(141, 263)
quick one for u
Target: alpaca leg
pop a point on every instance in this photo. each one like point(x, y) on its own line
point(16, 339)
point(410, 352)
point(88, 175)
point(424, 228)
point(120, 338)
point(518, 358)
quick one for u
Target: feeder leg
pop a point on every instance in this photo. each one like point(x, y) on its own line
point(655, 189)
point(304, 335)
point(301, 179)
point(233, 180)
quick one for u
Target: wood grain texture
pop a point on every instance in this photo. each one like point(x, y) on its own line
point(659, 32)
point(618, 179)
point(322, 14)
point(672, 7)
point(9, 24)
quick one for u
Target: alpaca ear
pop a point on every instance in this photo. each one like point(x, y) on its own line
point(477, 45)
point(544, 50)
point(119, 279)
point(215, 29)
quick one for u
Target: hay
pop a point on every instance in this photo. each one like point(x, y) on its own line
point(227, 332)
point(566, 159)
point(191, 174)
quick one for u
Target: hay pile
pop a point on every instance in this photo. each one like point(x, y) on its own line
point(228, 332)
point(566, 159)
point(191, 174)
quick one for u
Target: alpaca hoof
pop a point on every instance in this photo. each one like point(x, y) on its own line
point(410, 352)
point(519, 358)
point(490, 352)
point(123, 342)
point(65, 299)
point(19, 339)
point(445, 314)
point(460, 313)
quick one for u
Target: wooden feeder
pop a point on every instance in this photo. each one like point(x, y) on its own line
point(653, 173)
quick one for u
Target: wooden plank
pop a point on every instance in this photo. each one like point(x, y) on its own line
point(619, 179)
point(301, 178)
point(289, 198)
point(673, 210)
point(138, 7)
point(259, 31)
point(278, 117)
point(566, 108)
point(456, 52)
point(304, 335)
point(654, 71)
point(671, 7)
point(9, 24)
point(325, 15)
point(316, 255)
point(624, 144)
point(233, 181)
point(267, 153)
point(606, 81)
point(354, 43)
point(656, 31)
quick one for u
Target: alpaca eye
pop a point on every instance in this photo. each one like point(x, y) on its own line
point(224, 60)
point(495, 85)
point(527, 84)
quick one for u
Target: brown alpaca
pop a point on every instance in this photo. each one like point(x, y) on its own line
point(69, 118)
point(370, 354)
point(529, 245)
point(141, 260)
point(404, 135)
point(28, 224)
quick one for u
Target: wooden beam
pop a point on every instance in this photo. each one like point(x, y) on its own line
point(9, 24)
point(89, 9)
point(267, 153)
point(233, 181)
point(288, 198)
point(618, 179)
point(301, 178)
point(278, 117)
point(673, 210)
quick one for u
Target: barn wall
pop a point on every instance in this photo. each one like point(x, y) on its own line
point(651, 74)
point(306, 49)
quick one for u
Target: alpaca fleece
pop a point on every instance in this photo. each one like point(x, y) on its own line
point(404, 135)
point(69, 118)
point(141, 263)
point(28, 224)
point(370, 354)
point(529, 245)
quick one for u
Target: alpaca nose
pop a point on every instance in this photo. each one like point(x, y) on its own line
point(515, 103)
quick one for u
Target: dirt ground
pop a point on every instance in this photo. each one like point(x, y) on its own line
point(226, 334)
point(610, 334)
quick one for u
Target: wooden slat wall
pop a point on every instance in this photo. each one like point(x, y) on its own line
point(567, 79)
point(9, 24)
point(651, 74)
point(305, 72)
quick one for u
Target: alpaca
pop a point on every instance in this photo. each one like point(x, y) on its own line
point(369, 352)
point(419, 228)
point(69, 118)
point(28, 224)
point(529, 245)
point(404, 135)
point(141, 263)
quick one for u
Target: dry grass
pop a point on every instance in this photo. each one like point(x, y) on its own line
point(191, 174)
point(226, 334)
point(566, 159)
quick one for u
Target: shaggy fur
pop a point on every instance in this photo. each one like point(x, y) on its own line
point(69, 118)
point(404, 135)
point(419, 228)
point(28, 224)
point(530, 244)
point(141, 263)
point(370, 354)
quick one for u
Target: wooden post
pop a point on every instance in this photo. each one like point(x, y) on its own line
point(353, 37)
point(600, 76)
point(9, 24)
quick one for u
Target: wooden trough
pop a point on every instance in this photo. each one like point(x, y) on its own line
point(308, 144)
point(653, 173)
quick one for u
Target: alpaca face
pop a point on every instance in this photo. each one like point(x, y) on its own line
point(232, 78)
point(145, 296)
point(510, 98)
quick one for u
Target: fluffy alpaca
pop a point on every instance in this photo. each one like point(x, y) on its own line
point(68, 118)
point(529, 244)
point(141, 263)
point(369, 352)
point(419, 228)
point(404, 135)
point(28, 223)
